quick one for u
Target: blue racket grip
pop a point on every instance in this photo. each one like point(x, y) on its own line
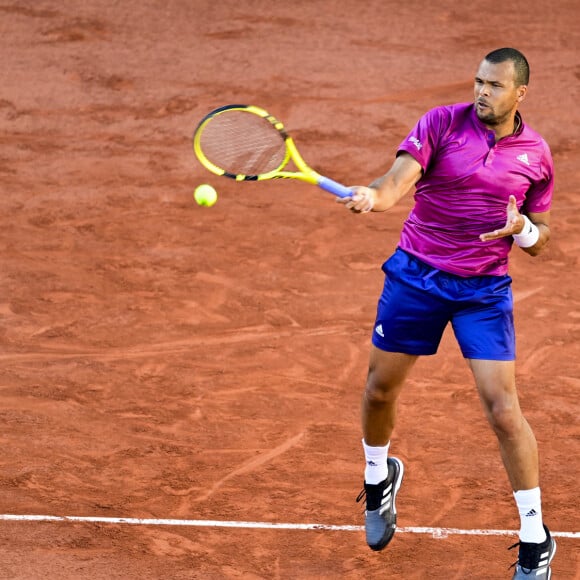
point(334, 187)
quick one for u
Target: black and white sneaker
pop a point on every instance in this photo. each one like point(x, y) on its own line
point(381, 512)
point(534, 559)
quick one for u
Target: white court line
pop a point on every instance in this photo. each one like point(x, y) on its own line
point(435, 532)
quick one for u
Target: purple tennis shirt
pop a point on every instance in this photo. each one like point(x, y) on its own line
point(466, 183)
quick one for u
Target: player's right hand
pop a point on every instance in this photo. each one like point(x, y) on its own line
point(362, 199)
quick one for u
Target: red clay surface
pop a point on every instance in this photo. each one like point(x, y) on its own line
point(162, 360)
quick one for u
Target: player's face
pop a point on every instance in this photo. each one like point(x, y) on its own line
point(496, 94)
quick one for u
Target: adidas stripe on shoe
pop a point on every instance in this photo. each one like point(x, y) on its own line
point(381, 511)
point(534, 559)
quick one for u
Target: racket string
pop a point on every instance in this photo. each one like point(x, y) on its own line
point(243, 143)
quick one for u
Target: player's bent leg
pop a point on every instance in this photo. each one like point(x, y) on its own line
point(385, 379)
point(387, 372)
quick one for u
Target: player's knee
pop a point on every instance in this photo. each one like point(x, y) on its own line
point(379, 392)
point(506, 419)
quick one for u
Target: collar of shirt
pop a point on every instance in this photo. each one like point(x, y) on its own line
point(490, 135)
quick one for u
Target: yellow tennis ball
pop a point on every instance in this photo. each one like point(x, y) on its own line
point(205, 194)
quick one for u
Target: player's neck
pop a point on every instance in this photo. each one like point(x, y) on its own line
point(507, 128)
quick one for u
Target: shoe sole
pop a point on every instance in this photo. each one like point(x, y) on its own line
point(398, 482)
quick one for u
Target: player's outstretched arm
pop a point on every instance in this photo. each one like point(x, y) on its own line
point(531, 233)
point(387, 190)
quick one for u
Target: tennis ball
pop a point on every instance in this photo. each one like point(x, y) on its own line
point(205, 194)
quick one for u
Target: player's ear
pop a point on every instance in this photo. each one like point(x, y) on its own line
point(521, 92)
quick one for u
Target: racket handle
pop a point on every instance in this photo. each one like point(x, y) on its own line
point(334, 187)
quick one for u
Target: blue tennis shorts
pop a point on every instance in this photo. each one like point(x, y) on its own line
point(418, 301)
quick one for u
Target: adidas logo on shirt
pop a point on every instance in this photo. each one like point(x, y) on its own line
point(524, 159)
point(379, 330)
point(416, 142)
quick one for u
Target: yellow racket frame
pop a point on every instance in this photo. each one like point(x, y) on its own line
point(304, 173)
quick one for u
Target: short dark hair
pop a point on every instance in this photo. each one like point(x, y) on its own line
point(521, 66)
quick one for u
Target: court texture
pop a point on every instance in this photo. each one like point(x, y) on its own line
point(180, 385)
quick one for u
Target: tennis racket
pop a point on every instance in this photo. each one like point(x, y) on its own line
point(246, 143)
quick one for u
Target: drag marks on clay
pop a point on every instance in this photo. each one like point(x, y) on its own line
point(574, 382)
point(28, 12)
point(521, 295)
point(308, 369)
point(280, 319)
point(447, 498)
point(171, 545)
point(77, 30)
point(8, 110)
point(360, 262)
point(111, 82)
point(152, 371)
point(246, 467)
point(231, 33)
point(263, 333)
point(538, 358)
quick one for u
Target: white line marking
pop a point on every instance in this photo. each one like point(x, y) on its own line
point(437, 532)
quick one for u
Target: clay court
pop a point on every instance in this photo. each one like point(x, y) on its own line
point(170, 373)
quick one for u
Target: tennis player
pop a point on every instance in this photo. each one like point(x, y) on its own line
point(483, 180)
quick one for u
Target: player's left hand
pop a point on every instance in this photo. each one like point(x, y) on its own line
point(514, 223)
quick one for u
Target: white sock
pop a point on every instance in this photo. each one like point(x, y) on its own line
point(376, 469)
point(529, 502)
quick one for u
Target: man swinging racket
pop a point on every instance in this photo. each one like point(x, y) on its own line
point(483, 180)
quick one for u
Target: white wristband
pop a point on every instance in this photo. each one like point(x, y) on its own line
point(528, 236)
